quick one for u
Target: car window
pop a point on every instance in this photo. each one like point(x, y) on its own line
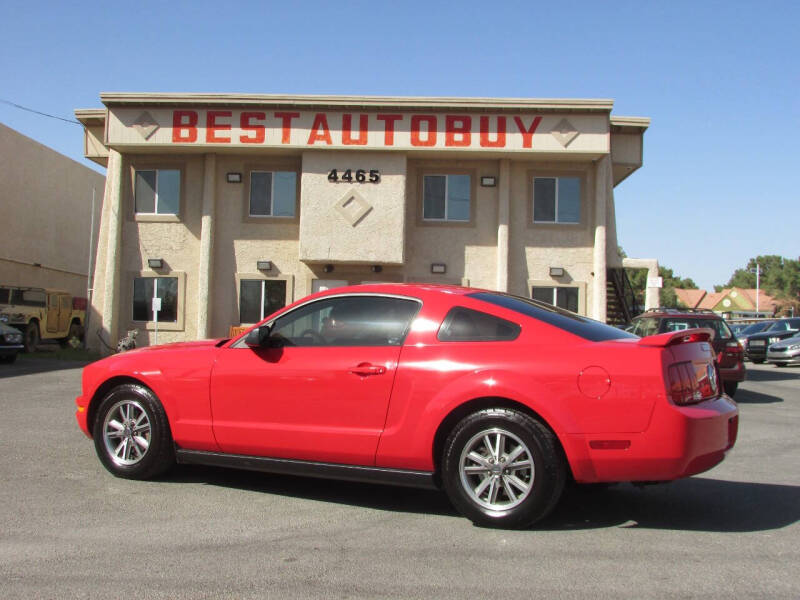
point(645, 326)
point(584, 327)
point(347, 321)
point(718, 326)
point(466, 325)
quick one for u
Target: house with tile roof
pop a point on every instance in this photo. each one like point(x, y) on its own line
point(732, 303)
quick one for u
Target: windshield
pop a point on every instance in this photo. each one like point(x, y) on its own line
point(754, 328)
point(720, 327)
point(584, 327)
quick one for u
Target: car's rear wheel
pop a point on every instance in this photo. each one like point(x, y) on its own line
point(31, 339)
point(503, 468)
point(131, 433)
point(757, 361)
point(731, 387)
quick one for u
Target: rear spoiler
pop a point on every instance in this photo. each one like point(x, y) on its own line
point(672, 338)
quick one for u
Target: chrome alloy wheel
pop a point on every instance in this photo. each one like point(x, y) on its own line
point(126, 432)
point(496, 469)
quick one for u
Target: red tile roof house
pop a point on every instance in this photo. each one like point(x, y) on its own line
point(731, 302)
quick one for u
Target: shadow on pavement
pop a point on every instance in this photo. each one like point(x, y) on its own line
point(28, 366)
point(693, 504)
point(366, 495)
point(774, 374)
point(745, 396)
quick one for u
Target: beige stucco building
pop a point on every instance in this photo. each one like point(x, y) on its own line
point(46, 212)
point(228, 206)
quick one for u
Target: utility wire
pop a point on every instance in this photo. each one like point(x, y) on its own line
point(39, 113)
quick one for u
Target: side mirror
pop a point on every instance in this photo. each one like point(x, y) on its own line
point(257, 338)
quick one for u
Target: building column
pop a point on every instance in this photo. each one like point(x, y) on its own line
point(503, 210)
point(113, 195)
point(206, 246)
point(652, 294)
point(604, 188)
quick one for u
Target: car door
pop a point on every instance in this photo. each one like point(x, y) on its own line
point(321, 390)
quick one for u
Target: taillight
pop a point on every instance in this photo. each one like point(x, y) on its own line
point(687, 385)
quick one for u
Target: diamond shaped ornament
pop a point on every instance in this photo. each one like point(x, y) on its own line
point(146, 125)
point(564, 132)
point(352, 207)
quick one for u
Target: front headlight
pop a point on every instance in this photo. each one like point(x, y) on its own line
point(774, 340)
point(4, 318)
point(794, 347)
point(13, 338)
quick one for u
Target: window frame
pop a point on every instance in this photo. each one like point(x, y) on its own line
point(579, 285)
point(557, 179)
point(553, 170)
point(277, 166)
point(272, 214)
point(137, 165)
point(445, 172)
point(239, 277)
point(178, 324)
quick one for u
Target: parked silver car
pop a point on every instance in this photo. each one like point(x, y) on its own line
point(785, 352)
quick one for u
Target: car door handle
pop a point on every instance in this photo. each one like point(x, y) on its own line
point(367, 369)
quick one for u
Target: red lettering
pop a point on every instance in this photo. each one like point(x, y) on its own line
point(527, 134)
point(500, 141)
point(347, 130)
point(286, 118)
point(416, 139)
point(320, 130)
point(184, 121)
point(257, 129)
point(388, 137)
point(212, 127)
point(456, 125)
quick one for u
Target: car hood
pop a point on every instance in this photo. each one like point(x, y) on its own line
point(174, 346)
point(787, 342)
point(773, 334)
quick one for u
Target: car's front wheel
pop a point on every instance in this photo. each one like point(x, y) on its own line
point(503, 468)
point(131, 433)
point(731, 387)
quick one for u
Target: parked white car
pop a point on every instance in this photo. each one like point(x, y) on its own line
point(785, 352)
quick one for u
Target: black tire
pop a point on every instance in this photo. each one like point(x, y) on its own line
point(514, 430)
point(74, 332)
point(757, 361)
point(31, 339)
point(730, 387)
point(131, 458)
point(780, 364)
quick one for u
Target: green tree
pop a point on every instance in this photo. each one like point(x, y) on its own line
point(780, 278)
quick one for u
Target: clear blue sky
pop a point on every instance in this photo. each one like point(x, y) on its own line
point(720, 81)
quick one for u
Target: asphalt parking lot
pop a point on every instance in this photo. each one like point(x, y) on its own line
point(68, 529)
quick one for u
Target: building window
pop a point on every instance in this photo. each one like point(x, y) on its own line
point(446, 198)
point(147, 288)
point(556, 200)
point(563, 297)
point(157, 191)
point(273, 193)
point(259, 298)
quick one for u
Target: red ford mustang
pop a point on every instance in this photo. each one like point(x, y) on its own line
point(496, 398)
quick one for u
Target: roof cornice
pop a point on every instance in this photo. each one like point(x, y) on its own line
point(120, 99)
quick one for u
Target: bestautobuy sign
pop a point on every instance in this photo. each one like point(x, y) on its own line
point(358, 130)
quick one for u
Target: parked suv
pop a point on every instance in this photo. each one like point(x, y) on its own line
point(41, 314)
point(729, 352)
point(781, 329)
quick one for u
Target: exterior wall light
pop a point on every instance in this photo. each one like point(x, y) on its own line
point(556, 272)
point(327, 269)
point(234, 177)
point(438, 268)
point(488, 181)
point(155, 263)
point(376, 268)
point(264, 265)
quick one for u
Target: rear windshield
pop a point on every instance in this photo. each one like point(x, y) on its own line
point(584, 327)
point(754, 328)
point(645, 326)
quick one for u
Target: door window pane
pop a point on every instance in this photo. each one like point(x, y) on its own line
point(434, 197)
point(569, 200)
point(259, 298)
point(143, 298)
point(543, 294)
point(260, 194)
point(458, 188)
point(145, 192)
point(567, 297)
point(147, 288)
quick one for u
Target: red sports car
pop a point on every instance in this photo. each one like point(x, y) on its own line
point(498, 399)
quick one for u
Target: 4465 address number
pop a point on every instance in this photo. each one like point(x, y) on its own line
point(359, 176)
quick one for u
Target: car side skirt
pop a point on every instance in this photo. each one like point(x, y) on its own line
point(284, 466)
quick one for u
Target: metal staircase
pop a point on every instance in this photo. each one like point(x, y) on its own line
point(621, 304)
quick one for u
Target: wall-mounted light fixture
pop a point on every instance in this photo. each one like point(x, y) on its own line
point(556, 272)
point(155, 263)
point(438, 268)
point(264, 265)
point(327, 269)
point(376, 268)
point(234, 177)
point(488, 181)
